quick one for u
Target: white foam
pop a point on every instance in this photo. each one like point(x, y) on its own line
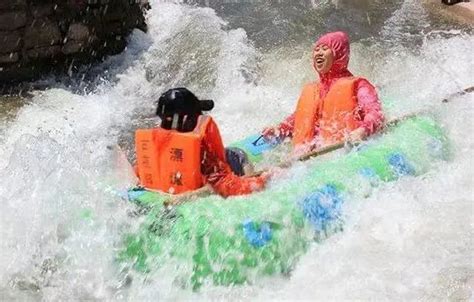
point(61, 221)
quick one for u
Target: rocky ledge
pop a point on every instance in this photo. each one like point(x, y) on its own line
point(461, 12)
point(39, 36)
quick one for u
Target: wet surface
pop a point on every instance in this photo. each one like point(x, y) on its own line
point(61, 223)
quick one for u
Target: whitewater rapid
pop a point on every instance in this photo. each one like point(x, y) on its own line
point(62, 218)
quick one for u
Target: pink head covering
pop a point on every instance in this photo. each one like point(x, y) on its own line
point(338, 42)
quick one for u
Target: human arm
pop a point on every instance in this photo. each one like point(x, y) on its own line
point(219, 176)
point(369, 111)
point(226, 183)
point(283, 130)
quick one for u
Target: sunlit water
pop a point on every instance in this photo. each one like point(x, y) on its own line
point(62, 221)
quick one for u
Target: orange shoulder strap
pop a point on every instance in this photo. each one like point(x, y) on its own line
point(306, 113)
point(213, 138)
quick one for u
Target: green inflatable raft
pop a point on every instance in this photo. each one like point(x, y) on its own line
point(238, 240)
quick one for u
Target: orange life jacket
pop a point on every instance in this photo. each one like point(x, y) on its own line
point(170, 161)
point(334, 114)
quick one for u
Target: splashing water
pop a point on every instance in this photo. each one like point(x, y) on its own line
point(62, 219)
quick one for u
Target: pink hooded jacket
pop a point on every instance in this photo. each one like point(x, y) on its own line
point(369, 108)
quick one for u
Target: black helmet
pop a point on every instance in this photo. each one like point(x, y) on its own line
point(179, 109)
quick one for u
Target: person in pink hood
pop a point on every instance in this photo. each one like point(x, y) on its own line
point(339, 107)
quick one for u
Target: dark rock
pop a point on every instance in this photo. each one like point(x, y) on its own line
point(42, 32)
point(78, 32)
point(73, 47)
point(113, 13)
point(42, 10)
point(9, 58)
point(12, 4)
point(12, 20)
point(114, 28)
point(43, 52)
point(41, 36)
point(10, 41)
point(114, 46)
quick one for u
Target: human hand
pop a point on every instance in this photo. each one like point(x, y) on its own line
point(271, 173)
point(269, 132)
point(266, 175)
point(302, 150)
point(357, 135)
point(275, 172)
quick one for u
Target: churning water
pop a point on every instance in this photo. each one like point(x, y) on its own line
point(62, 221)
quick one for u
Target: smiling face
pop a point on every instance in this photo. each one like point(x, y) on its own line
point(322, 58)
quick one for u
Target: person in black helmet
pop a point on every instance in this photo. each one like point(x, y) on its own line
point(182, 117)
point(179, 109)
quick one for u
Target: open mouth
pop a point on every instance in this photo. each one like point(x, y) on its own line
point(319, 60)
